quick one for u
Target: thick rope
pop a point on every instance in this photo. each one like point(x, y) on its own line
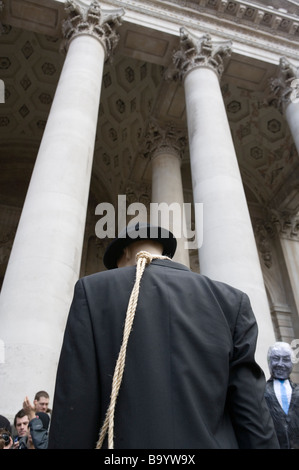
point(143, 258)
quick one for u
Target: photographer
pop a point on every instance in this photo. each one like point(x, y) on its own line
point(5, 439)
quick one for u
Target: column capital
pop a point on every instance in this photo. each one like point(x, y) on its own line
point(168, 139)
point(281, 222)
point(199, 52)
point(284, 88)
point(287, 224)
point(92, 21)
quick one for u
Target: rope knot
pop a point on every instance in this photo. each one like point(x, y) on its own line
point(148, 257)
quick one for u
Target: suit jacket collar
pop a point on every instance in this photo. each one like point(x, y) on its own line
point(170, 264)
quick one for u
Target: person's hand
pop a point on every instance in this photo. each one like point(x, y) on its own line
point(29, 409)
point(15, 445)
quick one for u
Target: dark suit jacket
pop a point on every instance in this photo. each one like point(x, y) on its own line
point(190, 378)
point(286, 425)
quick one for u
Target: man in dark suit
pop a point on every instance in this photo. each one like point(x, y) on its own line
point(282, 395)
point(179, 374)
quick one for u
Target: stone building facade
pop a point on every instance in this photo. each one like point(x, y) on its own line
point(135, 103)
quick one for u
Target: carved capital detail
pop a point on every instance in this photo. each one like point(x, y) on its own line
point(168, 139)
point(94, 22)
point(282, 223)
point(199, 52)
point(264, 232)
point(287, 224)
point(284, 87)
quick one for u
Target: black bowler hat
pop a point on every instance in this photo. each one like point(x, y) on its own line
point(133, 233)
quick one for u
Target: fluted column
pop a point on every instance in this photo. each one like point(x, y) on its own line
point(45, 258)
point(165, 147)
point(284, 94)
point(288, 231)
point(228, 252)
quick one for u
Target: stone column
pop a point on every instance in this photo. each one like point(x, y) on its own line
point(288, 230)
point(284, 94)
point(45, 258)
point(165, 147)
point(228, 252)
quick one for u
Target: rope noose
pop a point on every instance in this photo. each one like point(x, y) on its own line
point(143, 258)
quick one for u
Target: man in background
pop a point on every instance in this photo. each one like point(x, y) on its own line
point(41, 402)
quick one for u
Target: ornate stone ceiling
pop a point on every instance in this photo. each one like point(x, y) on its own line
point(133, 92)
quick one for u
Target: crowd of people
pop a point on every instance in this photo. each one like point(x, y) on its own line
point(30, 428)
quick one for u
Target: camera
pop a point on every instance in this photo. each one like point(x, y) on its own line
point(6, 438)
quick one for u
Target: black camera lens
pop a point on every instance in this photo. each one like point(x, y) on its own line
point(5, 437)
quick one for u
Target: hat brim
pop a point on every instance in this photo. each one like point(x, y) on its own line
point(135, 233)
